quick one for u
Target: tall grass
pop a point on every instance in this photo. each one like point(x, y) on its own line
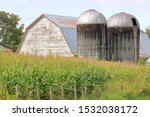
point(37, 77)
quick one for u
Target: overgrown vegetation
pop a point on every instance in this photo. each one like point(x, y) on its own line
point(142, 60)
point(32, 77)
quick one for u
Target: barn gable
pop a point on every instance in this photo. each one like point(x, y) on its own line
point(67, 26)
point(48, 34)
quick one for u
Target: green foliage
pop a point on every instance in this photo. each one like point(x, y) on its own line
point(37, 77)
point(76, 55)
point(142, 60)
point(148, 31)
point(10, 31)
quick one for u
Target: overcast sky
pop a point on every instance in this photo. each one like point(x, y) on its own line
point(29, 10)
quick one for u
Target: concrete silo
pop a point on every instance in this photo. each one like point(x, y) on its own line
point(123, 37)
point(92, 35)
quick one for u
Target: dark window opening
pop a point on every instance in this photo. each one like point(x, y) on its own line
point(134, 22)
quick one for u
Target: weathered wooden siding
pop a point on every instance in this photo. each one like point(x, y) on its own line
point(43, 38)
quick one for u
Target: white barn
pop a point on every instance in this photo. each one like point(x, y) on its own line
point(57, 34)
point(50, 34)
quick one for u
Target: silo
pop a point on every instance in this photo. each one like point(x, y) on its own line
point(123, 37)
point(92, 35)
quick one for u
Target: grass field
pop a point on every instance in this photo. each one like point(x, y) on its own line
point(33, 77)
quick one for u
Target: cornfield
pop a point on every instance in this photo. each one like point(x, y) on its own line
point(34, 77)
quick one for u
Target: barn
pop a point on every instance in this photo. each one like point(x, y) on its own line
point(148, 61)
point(50, 34)
point(57, 34)
point(4, 48)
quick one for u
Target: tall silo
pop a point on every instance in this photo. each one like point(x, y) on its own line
point(123, 37)
point(92, 35)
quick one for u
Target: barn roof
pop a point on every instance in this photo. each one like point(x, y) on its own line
point(144, 45)
point(70, 35)
point(62, 21)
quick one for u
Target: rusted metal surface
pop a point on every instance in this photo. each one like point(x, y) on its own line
point(92, 17)
point(63, 21)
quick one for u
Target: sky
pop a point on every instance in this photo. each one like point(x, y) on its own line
point(29, 10)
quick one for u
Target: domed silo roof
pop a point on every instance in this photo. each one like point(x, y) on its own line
point(91, 17)
point(122, 20)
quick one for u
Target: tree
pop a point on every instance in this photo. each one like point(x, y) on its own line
point(10, 31)
point(148, 31)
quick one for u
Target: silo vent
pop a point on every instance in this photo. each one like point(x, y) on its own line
point(134, 22)
point(122, 20)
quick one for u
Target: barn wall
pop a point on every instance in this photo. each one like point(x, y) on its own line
point(44, 38)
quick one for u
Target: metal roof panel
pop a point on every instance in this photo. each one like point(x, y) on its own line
point(71, 38)
point(144, 44)
point(62, 21)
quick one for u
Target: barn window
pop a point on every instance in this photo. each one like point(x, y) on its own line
point(134, 22)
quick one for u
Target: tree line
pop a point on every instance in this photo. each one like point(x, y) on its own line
point(10, 30)
point(148, 31)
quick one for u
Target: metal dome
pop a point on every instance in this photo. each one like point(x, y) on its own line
point(91, 17)
point(122, 20)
